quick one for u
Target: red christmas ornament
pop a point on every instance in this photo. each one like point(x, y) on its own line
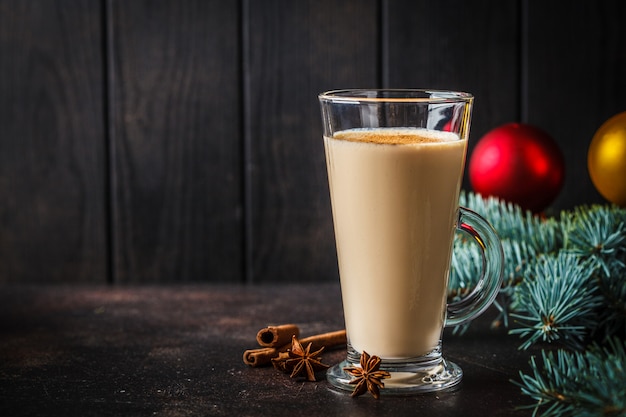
point(519, 163)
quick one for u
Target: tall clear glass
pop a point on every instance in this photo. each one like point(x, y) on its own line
point(395, 161)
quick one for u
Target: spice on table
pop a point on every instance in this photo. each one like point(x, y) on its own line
point(300, 361)
point(263, 356)
point(368, 377)
point(277, 336)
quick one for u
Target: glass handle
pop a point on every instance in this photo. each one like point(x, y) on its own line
point(490, 281)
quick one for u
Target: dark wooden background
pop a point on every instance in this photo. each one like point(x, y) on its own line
point(178, 141)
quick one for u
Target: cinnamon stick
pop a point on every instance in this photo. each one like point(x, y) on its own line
point(276, 336)
point(259, 357)
point(263, 356)
point(328, 340)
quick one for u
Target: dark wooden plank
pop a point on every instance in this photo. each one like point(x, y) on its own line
point(176, 133)
point(467, 46)
point(52, 142)
point(576, 67)
point(295, 50)
point(177, 351)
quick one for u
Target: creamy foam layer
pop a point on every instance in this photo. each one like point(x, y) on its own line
point(396, 136)
point(394, 195)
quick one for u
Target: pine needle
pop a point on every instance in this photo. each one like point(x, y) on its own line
point(590, 383)
point(557, 301)
point(565, 283)
point(597, 233)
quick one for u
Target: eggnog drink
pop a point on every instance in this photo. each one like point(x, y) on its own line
point(394, 195)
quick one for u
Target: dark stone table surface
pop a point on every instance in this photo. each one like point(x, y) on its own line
point(177, 351)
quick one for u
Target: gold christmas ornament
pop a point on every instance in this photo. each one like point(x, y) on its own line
point(606, 159)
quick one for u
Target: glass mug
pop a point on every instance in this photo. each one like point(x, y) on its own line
point(395, 161)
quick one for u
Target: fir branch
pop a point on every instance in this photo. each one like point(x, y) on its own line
point(613, 290)
point(518, 258)
point(597, 233)
point(511, 222)
point(557, 301)
point(465, 270)
point(590, 383)
point(465, 267)
point(565, 281)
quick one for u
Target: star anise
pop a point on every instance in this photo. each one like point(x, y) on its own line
point(279, 362)
point(300, 361)
point(368, 377)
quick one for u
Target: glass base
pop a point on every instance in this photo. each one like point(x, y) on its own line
point(408, 377)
